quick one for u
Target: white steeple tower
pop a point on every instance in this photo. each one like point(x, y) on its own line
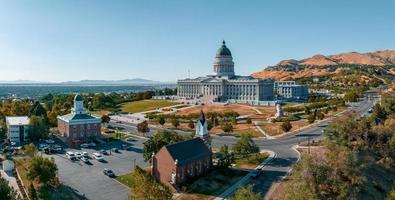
point(201, 129)
point(78, 105)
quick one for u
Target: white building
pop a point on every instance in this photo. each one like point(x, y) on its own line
point(223, 85)
point(17, 128)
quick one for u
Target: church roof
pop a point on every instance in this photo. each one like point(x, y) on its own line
point(188, 151)
point(223, 50)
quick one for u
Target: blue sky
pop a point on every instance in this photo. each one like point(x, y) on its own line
point(63, 40)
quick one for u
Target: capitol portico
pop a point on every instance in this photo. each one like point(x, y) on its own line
point(223, 85)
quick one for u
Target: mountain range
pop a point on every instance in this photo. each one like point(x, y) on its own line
point(134, 81)
point(320, 65)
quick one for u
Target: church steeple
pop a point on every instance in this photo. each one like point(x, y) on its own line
point(202, 130)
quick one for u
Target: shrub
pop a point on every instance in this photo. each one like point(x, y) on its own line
point(286, 126)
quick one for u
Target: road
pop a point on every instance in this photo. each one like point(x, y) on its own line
point(286, 155)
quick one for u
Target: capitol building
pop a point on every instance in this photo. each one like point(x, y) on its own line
point(224, 86)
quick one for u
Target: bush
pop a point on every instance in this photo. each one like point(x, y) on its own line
point(311, 118)
point(248, 121)
point(227, 127)
point(286, 126)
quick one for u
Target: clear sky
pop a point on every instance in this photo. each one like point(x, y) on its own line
point(63, 40)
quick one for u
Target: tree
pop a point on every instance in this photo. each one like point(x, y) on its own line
point(226, 158)
point(175, 122)
point(160, 139)
point(161, 120)
point(246, 193)
point(3, 130)
point(38, 129)
point(42, 169)
point(32, 192)
point(320, 115)
point(391, 195)
point(105, 119)
point(7, 192)
point(311, 118)
point(245, 145)
point(143, 127)
point(30, 149)
point(191, 124)
point(227, 127)
point(248, 121)
point(286, 126)
point(209, 125)
point(147, 187)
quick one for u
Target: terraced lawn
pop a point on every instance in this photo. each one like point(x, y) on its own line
point(146, 105)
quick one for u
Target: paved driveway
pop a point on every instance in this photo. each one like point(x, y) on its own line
point(90, 180)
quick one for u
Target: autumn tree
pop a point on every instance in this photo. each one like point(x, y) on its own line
point(175, 122)
point(147, 188)
point(142, 127)
point(246, 193)
point(42, 169)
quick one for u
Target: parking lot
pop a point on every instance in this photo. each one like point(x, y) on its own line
point(88, 179)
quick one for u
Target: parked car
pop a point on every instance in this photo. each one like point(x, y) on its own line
point(85, 154)
point(85, 145)
point(84, 159)
point(104, 152)
point(70, 155)
point(370, 110)
point(78, 154)
point(92, 144)
point(98, 156)
point(50, 141)
point(109, 173)
point(116, 150)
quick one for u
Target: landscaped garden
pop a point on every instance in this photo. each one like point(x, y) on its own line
point(126, 179)
point(215, 182)
point(146, 105)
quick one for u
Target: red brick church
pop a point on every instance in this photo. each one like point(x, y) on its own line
point(176, 163)
point(79, 126)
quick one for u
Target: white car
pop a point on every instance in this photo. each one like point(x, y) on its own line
point(85, 154)
point(98, 156)
point(70, 155)
point(78, 154)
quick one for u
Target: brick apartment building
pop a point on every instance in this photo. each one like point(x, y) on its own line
point(175, 163)
point(79, 126)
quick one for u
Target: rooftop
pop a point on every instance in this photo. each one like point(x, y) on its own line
point(188, 151)
point(74, 116)
point(17, 120)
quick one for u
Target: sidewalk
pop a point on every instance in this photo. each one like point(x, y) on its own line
point(246, 178)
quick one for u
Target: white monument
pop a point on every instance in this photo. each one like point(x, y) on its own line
point(279, 110)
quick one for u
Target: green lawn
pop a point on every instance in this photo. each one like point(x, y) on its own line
point(251, 161)
point(126, 179)
point(145, 105)
point(216, 182)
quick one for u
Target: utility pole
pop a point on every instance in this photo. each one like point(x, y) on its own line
point(308, 144)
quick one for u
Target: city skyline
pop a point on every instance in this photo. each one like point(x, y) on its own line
point(97, 40)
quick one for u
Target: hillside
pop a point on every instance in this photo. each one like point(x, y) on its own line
point(380, 64)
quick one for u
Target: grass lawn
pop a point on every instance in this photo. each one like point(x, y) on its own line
point(216, 182)
point(251, 161)
point(126, 179)
point(145, 105)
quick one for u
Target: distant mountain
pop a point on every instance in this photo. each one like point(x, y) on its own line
point(320, 65)
point(135, 81)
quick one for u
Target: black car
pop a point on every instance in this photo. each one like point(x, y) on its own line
point(109, 173)
point(104, 152)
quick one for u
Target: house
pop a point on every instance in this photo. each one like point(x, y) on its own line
point(17, 128)
point(176, 163)
point(79, 126)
